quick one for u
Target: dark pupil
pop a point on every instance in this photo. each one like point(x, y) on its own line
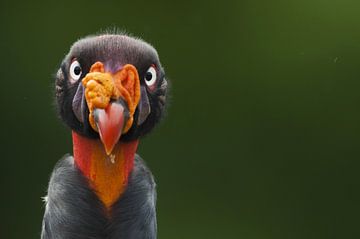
point(148, 76)
point(77, 70)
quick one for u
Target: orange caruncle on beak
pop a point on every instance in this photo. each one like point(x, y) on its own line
point(107, 117)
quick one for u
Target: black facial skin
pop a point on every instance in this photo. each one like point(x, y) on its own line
point(113, 51)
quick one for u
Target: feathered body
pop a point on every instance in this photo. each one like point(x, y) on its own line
point(74, 211)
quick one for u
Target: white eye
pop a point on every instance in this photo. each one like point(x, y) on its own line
point(75, 71)
point(150, 77)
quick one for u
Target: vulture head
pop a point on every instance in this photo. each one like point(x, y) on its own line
point(111, 87)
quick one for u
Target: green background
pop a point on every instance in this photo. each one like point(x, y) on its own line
point(263, 131)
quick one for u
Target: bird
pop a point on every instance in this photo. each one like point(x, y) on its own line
point(110, 90)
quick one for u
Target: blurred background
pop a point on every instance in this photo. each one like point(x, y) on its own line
point(263, 130)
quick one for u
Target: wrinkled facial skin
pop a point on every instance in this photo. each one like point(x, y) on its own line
point(114, 51)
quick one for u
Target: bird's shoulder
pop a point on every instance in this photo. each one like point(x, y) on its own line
point(72, 208)
point(141, 172)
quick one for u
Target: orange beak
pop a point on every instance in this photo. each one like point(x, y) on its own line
point(112, 99)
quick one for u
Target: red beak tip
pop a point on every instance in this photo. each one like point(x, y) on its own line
point(110, 123)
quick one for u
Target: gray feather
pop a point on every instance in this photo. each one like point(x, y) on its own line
point(73, 209)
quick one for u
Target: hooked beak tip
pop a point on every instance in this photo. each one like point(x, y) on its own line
point(110, 124)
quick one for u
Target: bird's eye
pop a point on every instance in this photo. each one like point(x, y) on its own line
point(75, 71)
point(150, 77)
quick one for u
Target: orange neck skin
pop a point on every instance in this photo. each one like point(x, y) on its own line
point(108, 175)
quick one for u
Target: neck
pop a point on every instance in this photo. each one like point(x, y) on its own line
point(108, 175)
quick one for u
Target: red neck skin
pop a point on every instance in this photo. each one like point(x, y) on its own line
point(108, 175)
